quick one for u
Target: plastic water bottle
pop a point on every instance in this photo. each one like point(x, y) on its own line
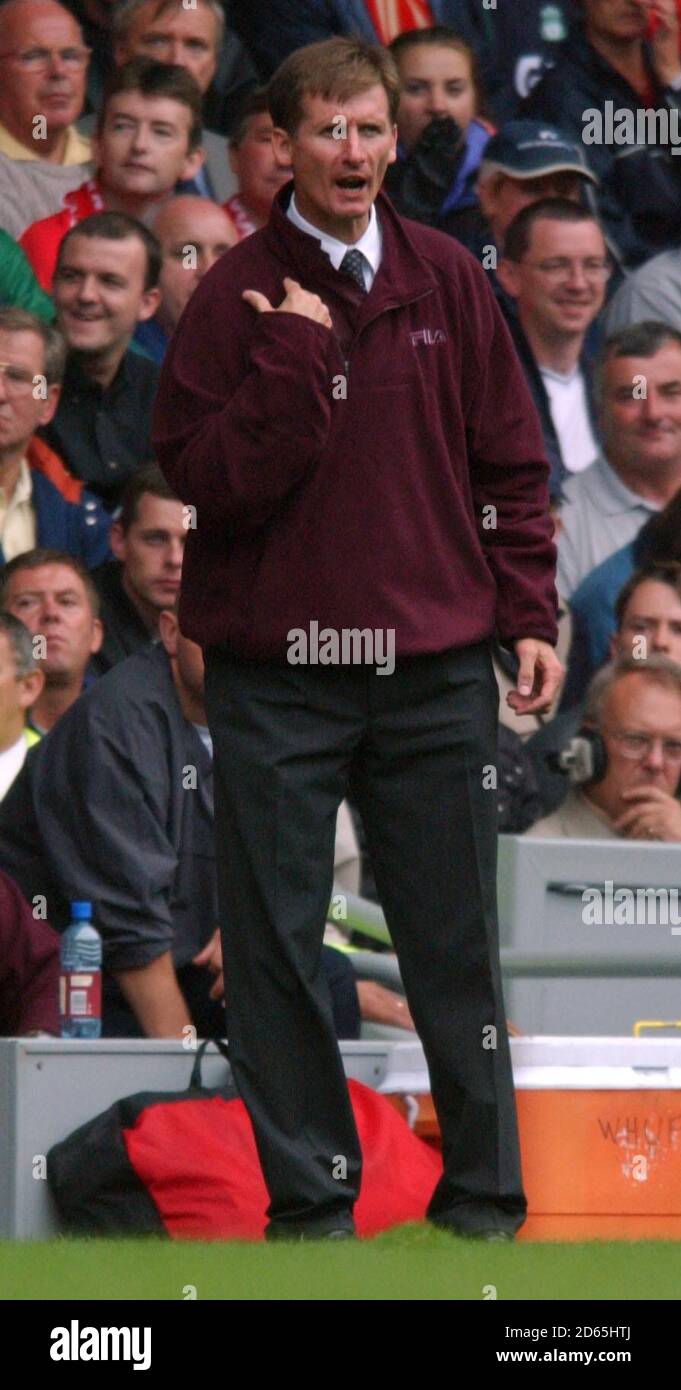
point(80, 981)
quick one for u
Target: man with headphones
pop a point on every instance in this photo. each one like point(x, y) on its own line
point(625, 763)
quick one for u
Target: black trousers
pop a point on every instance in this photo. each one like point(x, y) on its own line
point(416, 749)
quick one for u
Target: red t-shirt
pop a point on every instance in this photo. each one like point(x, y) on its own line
point(40, 241)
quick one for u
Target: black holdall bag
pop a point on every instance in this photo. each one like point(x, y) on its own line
point(94, 1185)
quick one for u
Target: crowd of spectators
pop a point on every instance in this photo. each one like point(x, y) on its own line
point(136, 148)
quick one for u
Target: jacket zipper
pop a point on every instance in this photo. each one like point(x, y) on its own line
point(386, 307)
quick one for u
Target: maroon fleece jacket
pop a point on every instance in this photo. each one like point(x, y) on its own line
point(29, 967)
point(387, 474)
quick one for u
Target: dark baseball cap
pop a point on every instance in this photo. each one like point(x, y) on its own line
point(529, 149)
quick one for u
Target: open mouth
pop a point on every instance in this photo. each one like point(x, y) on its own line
point(352, 184)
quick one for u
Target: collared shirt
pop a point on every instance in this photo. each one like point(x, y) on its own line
point(17, 517)
point(600, 514)
point(11, 763)
point(370, 243)
point(577, 819)
point(103, 436)
point(77, 149)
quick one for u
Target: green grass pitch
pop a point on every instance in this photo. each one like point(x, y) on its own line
point(407, 1263)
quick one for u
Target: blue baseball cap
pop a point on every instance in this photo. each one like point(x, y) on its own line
point(531, 149)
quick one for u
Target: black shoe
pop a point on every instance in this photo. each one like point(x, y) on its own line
point(489, 1235)
point(486, 1233)
point(313, 1233)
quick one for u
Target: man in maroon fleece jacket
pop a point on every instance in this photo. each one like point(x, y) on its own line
point(342, 407)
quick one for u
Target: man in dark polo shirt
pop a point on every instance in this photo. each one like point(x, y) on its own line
point(104, 285)
point(343, 406)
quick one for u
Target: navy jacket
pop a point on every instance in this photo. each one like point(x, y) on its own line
point(639, 197)
point(115, 805)
point(513, 42)
point(68, 517)
point(535, 381)
point(294, 23)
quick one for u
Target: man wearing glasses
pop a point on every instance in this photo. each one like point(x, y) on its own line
point(634, 709)
point(555, 269)
point(43, 66)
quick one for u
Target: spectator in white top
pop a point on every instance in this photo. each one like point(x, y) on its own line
point(21, 682)
point(555, 268)
point(637, 384)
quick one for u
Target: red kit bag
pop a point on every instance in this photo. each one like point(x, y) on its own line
point(185, 1164)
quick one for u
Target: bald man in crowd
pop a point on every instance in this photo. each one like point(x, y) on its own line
point(193, 233)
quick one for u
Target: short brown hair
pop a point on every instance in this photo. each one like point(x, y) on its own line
point(152, 79)
point(518, 238)
point(15, 320)
point(148, 479)
point(336, 68)
point(644, 339)
point(117, 226)
point(255, 104)
point(38, 557)
point(658, 572)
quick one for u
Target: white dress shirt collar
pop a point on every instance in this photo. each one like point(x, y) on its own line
point(369, 243)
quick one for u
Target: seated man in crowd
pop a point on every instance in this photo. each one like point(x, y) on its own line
point(147, 539)
point(192, 233)
point(632, 719)
point(106, 281)
point(234, 75)
point(29, 968)
point(251, 158)
point(54, 596)
point(555, 269)
point(168, 31)
point(523, 163)
point(648, 623)
point(117, 806)
point(606, 65)
point(441, 139)
point(516, 41)
point(21, 682)
point(592, 606)
point(637, 383)
point(43, 63)
point(40, 503)
point(147, 139)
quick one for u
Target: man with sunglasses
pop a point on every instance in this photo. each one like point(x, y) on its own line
point(43, 66)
